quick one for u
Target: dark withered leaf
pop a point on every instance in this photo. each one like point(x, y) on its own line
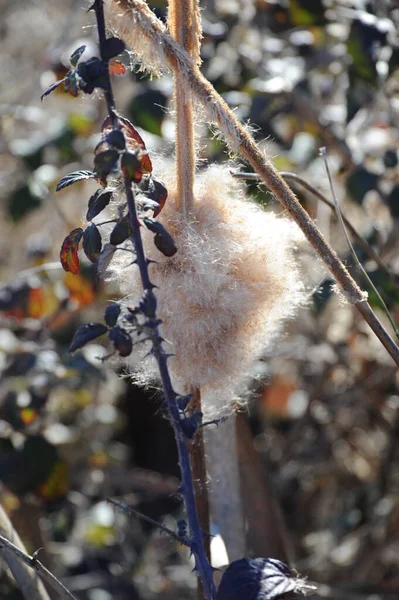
point(122, 341)
point(121, 231)
point(51, 88)
point(258, 579)
point(104, 163)
point(157, 192)
point(112, 47)
point(73, 178)
point(162, 239)
point(92, 243)
point(116, 138)
point(111, 314)
point(98, 202)
point(86, 333)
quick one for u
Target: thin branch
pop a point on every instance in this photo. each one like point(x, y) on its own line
point(367, 248)
point(128, 509)
point(351, 248)
point(136, 14)
point(33, 563)
point(30, 585)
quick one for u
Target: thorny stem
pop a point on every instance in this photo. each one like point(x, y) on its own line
point(239, 139)
point(129, 510)
point(187, 488)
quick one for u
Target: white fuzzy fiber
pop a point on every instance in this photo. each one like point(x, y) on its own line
point(225, 294)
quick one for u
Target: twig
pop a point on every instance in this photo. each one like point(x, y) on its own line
point(33, 563)
point(357, 261)
point(31, 587)
point(128, 509)
point(152, 324)
point(153, 30)
point(287, 175)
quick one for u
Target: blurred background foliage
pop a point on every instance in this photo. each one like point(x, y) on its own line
point(325, 413)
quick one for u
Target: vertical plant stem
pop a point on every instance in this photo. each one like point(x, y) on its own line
point(198, 467)
point(182, 22)
point(196, 535)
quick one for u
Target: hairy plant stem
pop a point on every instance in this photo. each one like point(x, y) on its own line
point(180, 23)
point(196, 536)
point(184, 23)
point(239, 139)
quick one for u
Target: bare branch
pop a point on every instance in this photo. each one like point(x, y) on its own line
point(31, 562)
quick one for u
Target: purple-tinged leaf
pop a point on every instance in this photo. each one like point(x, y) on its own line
point(259, 579)
point(85, 334)
point(92, 243)
point(98, 202)
point(111, 314)
point(73, 178)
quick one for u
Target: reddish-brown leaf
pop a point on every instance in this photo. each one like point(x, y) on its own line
point(133, 140)
point(69, 251)
point(116, 68)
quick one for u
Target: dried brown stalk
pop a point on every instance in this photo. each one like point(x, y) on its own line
point(138, 21)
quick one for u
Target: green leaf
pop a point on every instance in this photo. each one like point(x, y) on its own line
point(98, 202)
point(132, 167)
point(121, 231)
point(75, 56)
point(71, 84)
point(69, 251)
point(92, 243)
point(73, 178)
point(86, 333)
point(104, 163)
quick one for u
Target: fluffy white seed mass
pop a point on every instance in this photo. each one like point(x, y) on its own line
point(225, 294)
